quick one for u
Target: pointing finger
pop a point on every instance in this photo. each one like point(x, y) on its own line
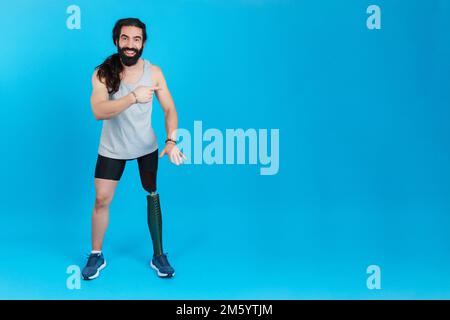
point(155, 88)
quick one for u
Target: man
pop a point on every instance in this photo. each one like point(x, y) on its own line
point(123, 87)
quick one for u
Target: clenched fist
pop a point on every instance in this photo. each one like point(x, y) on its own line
point(144, 94)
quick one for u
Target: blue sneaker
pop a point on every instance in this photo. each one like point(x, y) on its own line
point(96, 262)
point(162, 266)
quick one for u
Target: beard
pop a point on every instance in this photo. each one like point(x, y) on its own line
point(129, 60)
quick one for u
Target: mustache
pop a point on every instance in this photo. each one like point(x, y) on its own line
point(129, 49)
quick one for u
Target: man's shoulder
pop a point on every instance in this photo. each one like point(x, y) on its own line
point(94, 73)
point(96, 78)
point(155, 69)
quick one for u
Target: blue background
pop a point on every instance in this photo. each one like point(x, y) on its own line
point(364, 154)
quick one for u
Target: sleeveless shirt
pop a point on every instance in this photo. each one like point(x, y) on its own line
point(129, 134)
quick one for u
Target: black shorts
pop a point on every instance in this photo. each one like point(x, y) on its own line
point(112, 169)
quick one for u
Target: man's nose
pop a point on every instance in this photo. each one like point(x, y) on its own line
point(129, 44)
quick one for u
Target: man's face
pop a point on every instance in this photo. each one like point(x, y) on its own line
point(130, 45)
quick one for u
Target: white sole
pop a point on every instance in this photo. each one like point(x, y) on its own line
point(160, 274)
point(98, 271)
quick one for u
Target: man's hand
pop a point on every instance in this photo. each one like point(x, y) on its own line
point(175, 155)
point(144, 94)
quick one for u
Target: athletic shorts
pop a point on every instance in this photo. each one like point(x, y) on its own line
point(112, 169)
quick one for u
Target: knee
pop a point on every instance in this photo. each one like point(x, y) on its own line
point(149, 185)
point(148, 180)
point(149, 189)
point(102, 200)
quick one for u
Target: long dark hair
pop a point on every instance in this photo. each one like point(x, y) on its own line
point(109, 71)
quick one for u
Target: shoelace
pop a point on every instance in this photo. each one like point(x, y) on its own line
point(92, 259)
point(163, 260)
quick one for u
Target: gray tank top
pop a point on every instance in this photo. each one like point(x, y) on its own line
point(129, 134)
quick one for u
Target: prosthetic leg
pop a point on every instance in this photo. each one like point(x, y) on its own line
point(159, 262)
point(148, 167)
point(154, 221)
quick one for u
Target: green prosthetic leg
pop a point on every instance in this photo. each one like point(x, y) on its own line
point(155, 222)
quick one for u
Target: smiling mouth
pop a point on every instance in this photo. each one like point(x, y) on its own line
point(130, 53)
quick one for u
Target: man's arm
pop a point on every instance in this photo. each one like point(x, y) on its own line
point(166, 102)
point(170, 115)
point(102, 107)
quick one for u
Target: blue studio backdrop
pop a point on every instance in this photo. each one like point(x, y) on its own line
point(351, 99)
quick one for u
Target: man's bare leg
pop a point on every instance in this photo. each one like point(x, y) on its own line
point(104, 193)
